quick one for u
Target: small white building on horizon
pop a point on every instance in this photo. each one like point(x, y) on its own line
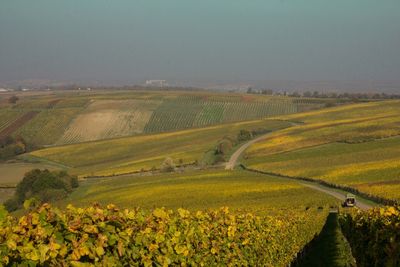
point(156, 83)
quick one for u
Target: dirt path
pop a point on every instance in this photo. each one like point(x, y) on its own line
point(231, 164)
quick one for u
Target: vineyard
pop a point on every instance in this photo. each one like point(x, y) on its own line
point(68, 117)
point(104, 119)
point(196, 190)
point(47, 126)
point(145, 152)
point(110, 236)
point(18, 122)
point(186, 112)
point(374, 236)
point(39, 120)
point(356, 145)
point(270, 219)
point(7, 117)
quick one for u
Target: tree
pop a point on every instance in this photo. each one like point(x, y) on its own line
point(295, 94)
point(223, 147)
point(13, 99)
point(168, 165)
point(267, 92)
point(244, 135)
point(43, 185)
point(307, 94)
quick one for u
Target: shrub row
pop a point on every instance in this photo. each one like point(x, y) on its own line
point(374, 236)
point(113, 237)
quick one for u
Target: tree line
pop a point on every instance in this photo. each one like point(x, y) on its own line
point(317, 94)
point(42, 186)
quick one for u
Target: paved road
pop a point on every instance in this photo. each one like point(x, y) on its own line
point(360, 204)
point(230, 165)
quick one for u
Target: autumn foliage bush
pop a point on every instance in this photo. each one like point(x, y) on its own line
point(120, 237)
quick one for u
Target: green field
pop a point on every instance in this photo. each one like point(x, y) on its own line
point(356, 145)
point(186, 112)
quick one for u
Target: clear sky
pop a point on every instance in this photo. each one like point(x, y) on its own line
point(128, 41)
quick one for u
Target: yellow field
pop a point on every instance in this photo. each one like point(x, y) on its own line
point(356, 145)
point(199, 190)
point(125, 155)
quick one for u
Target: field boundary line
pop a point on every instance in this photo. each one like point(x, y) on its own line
point(8, 186)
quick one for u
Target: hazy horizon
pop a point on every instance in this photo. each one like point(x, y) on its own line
point(199, 42)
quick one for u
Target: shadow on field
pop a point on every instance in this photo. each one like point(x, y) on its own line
point(330, 248)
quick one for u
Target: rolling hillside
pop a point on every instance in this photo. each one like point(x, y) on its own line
point(132, 154)
point(198, 190)
point(356, 145)
point(73, 117)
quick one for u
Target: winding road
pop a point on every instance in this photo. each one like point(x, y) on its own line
point(233, 161)
point(231, 164)
point(329, 191)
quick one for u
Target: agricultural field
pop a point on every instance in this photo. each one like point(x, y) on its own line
point(144, 152)
point(356, 145)
point(104, 119)
point(46, 127)
point(110, 236)
point(290, 214)
point(12, 173)
point(7, 117)
point(374, 236)
point(39, 119)
point(199, 190)
point(58, 118)
point(197, 111)
point(14, 124)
